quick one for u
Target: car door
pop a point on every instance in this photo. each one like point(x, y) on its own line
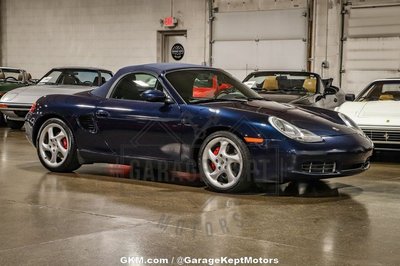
point(135, 128)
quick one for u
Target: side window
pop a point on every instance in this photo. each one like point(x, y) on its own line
point(104, 77)
point(392, 87)
point(132, 85)
point(373, 93)
point(107, 76)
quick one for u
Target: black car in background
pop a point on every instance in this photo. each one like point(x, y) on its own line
point(300, 88)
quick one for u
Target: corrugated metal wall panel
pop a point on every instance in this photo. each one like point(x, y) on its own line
point(227, 57)
point(257, 5)
point(289, 54)
point(261, 25)
point(266, 55)
point(373, 53)
point(372, 47)
point(252, 40)
point(374, 22)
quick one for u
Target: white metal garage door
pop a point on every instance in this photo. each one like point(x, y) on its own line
point(372, 46)
point(260, 40)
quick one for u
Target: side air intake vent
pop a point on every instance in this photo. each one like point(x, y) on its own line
point(87, 122)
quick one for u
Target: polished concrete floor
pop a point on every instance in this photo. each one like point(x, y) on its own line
point(94, 217)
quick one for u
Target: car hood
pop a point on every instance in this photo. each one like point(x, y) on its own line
point(30, 94)
point(289, 98)
point(375, 113)
point(319, 123)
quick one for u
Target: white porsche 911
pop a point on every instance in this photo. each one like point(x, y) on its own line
point(16, 103)
point(376, 110)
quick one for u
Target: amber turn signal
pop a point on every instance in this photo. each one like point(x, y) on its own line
point(253, 140)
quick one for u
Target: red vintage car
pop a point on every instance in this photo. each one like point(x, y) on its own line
point(204, 90)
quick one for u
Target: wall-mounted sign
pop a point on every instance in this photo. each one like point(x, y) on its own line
point(170, 22)
point(177, 51)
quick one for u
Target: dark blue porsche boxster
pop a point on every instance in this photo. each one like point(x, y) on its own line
point(199, 116)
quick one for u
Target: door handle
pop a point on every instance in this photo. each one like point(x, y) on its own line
point(102, 114)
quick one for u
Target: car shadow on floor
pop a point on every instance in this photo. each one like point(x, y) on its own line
point(315, 188)
point(386, 157)
point(126, 174)
point(310, 189)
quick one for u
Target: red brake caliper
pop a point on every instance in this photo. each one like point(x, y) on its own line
point(64, 143)
point(216, 151)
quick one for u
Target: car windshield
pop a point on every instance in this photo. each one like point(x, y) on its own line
point(206, 85)
point(74, 77)
point(10, 75)
point(381, 91)
point(283, 83)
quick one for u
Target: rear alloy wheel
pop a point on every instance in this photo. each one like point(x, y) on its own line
point(56, 147)
point(224, 163)
point(15, 124)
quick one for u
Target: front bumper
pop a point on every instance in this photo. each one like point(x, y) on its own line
point(282, 161)
point(15, 111)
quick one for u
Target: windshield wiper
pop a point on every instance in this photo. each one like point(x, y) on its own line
point(256, 98)
point(206, 100)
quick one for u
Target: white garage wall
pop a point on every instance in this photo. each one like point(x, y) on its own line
point(327, 43)
point(372, 46)
point(41, 34)
point(258, 40)
point(326, 39)
point(254, 35)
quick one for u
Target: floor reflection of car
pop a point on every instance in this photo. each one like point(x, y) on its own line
point(67, 80)
point(12, 78)
point(148, 113)
point(302, 88)
point(376, 110)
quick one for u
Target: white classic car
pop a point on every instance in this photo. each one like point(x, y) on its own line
point(376, 110)
point(16, 103)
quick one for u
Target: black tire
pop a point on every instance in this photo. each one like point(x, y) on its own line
point(15, 124)
point(243, 179)
point(69, 163)
point(2, 120)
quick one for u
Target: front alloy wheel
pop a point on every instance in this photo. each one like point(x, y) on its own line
point(224, 162)
point(56, 147)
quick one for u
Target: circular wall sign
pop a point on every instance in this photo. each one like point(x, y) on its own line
point(177, 51)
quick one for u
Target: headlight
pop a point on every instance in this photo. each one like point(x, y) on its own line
point(9, 96)
point(351, 124)
point(293, 132)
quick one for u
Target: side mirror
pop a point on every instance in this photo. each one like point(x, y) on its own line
point(327, 82)
point(331, 90)
point(154, 96)
point(350, 97)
